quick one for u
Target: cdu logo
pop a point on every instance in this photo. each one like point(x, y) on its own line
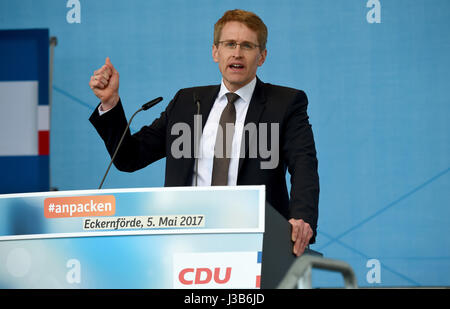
point(198, 276)
point(216, 270)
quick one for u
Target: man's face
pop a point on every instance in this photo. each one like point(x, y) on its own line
point(238, 66)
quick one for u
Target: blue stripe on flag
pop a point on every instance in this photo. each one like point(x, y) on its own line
point(22, 174)
point(24, 56)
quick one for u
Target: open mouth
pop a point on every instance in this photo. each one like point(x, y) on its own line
point(236, 66)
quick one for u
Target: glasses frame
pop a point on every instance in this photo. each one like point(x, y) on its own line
point(235, 44)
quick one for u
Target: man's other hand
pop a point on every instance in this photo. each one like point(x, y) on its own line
point(301, 234)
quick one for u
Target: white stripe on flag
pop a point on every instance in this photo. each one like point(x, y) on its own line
point(18, 118)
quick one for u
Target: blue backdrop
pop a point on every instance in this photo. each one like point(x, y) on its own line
point(378, 97)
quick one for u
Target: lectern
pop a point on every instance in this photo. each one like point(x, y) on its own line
point(183, 237)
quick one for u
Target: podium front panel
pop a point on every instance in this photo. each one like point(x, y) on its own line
point(133, 238)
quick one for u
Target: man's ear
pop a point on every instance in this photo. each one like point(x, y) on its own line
point(262, 57)
point(214, 53)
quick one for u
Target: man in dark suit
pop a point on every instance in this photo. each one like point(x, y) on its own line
point(258, 113)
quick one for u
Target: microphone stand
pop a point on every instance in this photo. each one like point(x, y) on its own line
point(197, 138)
point(143, 108)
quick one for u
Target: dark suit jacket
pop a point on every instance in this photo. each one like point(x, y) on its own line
point(269, 104)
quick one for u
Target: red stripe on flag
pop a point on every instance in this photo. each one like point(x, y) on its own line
point(44, 143)
point(258, 281)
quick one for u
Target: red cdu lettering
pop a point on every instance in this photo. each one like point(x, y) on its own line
point(204, 276)
point(227, 275)
point(182, 274)
point(198, 275)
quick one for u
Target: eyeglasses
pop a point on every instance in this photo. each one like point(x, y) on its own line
point(233, 44)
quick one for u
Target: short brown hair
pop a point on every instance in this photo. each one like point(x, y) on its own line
point(251, 20)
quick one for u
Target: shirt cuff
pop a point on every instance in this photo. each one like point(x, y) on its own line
point(101, 112)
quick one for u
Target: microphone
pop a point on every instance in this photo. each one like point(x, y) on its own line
point(144, 107)
point(196, 136)
point(150, 104)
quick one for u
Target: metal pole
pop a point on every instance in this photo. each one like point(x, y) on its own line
point(301, 271)
point(53, 42)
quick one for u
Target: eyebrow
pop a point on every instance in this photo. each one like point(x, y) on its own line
point(240, 43)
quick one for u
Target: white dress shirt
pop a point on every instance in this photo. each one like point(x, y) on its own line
point(208, 138)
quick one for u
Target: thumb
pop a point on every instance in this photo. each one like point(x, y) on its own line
point(294, 232)
point(109, 64)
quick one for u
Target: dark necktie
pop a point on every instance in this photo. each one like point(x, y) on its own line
point(222, 149)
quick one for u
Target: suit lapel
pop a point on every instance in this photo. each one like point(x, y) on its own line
point(254, 112)
point(207, 101)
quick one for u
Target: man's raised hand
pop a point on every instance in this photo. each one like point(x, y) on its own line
point(105, 85)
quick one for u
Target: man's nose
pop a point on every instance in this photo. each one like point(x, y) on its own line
point(237, 52)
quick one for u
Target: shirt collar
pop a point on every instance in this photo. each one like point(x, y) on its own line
point(245, 93)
